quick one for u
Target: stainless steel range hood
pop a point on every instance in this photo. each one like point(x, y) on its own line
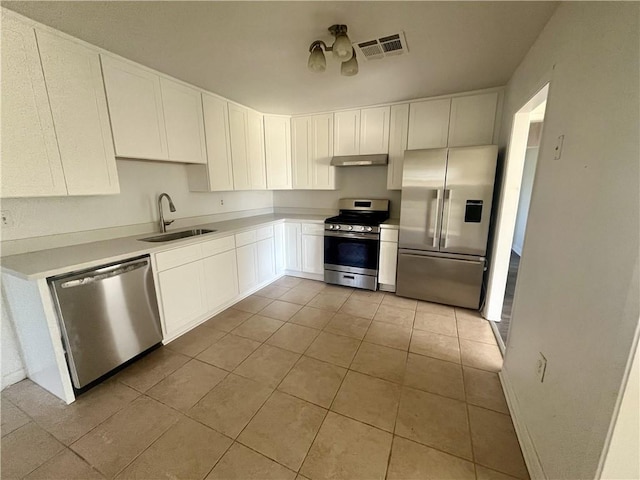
point(360, 160)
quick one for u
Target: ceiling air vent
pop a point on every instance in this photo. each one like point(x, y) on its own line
point(382, 47)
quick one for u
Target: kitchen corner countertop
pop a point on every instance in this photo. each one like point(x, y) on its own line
point(393, 223)
point(56, 261)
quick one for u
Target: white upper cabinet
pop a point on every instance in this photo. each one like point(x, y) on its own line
point(454, 122)
point(312, 150)
point(239, 153)
point(361, 132)
point(301, 141)
point(397, 145)
point(182, 108)
point(31, 164)
point(472, 120)
point(255, 139)
point(135, 108)
point(217, 174)
point(76, 94)
point(346, 133)
point(322, 173)
point(247, 148)
point(277, 141)
point(374, 130)
point(428, 124)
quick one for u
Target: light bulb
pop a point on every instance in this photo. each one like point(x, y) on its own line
point(317, 62)
point(350, 67)
point(342, 48)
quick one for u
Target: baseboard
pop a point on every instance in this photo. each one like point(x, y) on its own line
point(526, 442)
point(308, 276)
point(13, 377)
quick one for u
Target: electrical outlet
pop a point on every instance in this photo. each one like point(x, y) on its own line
point(541, 367)
point(7, 218)
point(222, 201)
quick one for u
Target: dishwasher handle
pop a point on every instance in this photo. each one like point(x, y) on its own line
point(99, 276)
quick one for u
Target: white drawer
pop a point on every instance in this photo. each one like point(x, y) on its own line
point(313, 228)
point(245, 238)
point(389, 235)
point(219, 245)
point(178, 256)
point(264, 232)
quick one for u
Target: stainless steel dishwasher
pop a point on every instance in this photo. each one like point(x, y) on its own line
point(107, 315)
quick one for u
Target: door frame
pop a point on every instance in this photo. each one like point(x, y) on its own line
point(508, 204)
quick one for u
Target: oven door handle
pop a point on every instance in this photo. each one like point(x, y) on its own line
point(367, 236)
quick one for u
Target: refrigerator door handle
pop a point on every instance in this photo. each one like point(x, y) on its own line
point(436, 236)
point(446, 210)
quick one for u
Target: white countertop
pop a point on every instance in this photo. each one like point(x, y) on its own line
point(393, 223)
point(56, 261)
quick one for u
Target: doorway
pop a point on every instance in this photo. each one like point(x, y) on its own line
point(509, 237)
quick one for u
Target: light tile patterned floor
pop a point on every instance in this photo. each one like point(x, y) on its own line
point(301, 380)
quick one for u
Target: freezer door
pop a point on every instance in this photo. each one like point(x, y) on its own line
point(422, 198)
point(467, 199)
point(440, 279)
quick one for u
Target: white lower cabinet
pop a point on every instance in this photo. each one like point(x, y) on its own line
point(182, 295)
point(292, 247)
point(221, 279)
point(388, 259)
point(247, 258)
point(279, 251)
point(313, 254)
point(266, 260)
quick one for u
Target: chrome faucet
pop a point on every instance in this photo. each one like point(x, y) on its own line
point(164, 223)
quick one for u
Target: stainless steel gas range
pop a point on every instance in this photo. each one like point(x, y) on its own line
point(352, 243)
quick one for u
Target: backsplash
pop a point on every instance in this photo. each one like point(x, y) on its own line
point(351, 182)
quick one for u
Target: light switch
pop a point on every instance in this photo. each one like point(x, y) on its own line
point(558, 147)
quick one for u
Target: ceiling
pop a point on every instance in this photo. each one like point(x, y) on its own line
point(256, 52)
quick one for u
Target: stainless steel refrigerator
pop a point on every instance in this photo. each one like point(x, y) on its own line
point(444, 223)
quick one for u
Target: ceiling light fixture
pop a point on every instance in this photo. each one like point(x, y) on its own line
point(341, 48)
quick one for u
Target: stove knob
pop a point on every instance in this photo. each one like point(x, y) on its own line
point(350, 227)
point(337, 227)
point(330, 227)
point(369, 229)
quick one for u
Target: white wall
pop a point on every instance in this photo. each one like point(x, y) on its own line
point(530, 161)
point(12, 365)
point(622, 461)
point(351, 182)
point(140, 184)
point(577, 295)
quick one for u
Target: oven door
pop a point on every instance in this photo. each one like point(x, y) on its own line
point(352, 252)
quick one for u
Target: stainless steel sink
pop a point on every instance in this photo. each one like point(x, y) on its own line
point(167, 237)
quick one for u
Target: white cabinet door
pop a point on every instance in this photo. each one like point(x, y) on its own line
point(374, 130)
point(182, 107)
point(182, 295)
point(472, 120)
point(313, 254)
point(221, 279)
point(135, 110)
point(277, 143)
point(31, 164)
point(346, 136)
point(239, 147)
point(397, 145)
point(217, 175)
point(293, 247)
point(301, 143)
point(255, 149)
point(388, 263)
point(279, 248)
point(76, 94)
point(322, 173)
point(247, 267)
point(266, 260)
point(428, 124)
